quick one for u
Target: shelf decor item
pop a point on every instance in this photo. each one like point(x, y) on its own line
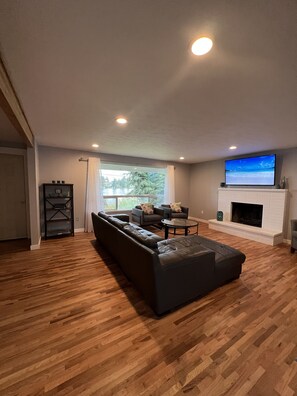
point(220, 215)
point(283, 183)
point(58, 210)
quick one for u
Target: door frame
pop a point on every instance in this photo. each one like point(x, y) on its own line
point(23, 153)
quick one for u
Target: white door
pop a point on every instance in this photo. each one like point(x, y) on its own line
point(13, 218)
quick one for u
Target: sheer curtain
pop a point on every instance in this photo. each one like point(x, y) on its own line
point(94, 194)
point(169, 191)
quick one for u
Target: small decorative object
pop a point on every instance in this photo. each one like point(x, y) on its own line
point(53, 181)
point(63, 181)
point(283, 183)
point(58, 181)
point(222, 184)
point(220, 215)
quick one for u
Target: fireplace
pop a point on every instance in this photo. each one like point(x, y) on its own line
point(273, 202)
point(246, 213)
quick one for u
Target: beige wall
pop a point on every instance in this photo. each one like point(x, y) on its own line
point(205, 180)
point(61, 164)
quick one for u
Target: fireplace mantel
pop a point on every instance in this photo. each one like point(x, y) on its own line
point(272, 190)
point(274, 204)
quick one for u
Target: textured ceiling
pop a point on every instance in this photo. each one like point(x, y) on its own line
point(77, 64)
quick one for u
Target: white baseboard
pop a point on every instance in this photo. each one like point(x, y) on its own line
point(198, 219)
point(37, 246)
point(287, 241)
point(79, 230)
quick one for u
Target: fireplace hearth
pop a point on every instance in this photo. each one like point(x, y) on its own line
point(246, 213)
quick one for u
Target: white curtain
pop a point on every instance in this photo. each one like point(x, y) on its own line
point(94, 194)
point(169, 192)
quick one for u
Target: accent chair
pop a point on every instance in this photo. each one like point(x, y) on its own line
point(170, 214)
point(139, 216)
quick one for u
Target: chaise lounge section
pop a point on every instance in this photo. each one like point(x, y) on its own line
point(168, 273)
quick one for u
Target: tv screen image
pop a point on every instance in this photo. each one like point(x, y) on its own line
point(251, 171)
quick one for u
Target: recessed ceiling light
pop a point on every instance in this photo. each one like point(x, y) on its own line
point(95, 145)
point(121, 120)
point(202, 46)
point(181, 158)
point(232, 147)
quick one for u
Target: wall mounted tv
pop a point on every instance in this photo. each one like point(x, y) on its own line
point(251, 171)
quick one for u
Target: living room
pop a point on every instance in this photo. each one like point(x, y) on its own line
point(72, 322)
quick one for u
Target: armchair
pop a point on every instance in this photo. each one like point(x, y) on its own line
point(294, 235)
point(139, 217)
point(169, 214)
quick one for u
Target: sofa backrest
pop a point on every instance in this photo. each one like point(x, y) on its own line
point(145, 237)
point(138, 262)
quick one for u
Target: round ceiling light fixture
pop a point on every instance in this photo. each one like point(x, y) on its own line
point(121, 120)
point(201, 46)
point(181, 158)
point(232, 147)
point(95, 145)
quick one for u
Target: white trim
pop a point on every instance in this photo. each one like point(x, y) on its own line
point(76, 230)
point(35, 247)
point(274, 190)
point(287, 241)
point(198, 219)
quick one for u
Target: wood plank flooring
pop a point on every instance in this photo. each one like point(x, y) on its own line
point(72, 324)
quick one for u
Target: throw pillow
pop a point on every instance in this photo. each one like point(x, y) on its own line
point(176, 207)
point(148, 208)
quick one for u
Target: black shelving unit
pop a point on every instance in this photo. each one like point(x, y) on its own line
point(58, 210)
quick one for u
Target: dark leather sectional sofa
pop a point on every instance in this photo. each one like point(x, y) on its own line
point(170, 272)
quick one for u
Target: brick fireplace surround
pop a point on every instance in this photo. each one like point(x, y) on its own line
point(274, 203)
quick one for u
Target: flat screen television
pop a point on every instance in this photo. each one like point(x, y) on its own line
point(251, 171)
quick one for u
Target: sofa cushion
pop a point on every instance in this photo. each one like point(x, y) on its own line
point(147, 208)
point(184, 245)
point(176, 207)
point(117, 222)
point(223, 252)
point(180, 249)
point(143, 236)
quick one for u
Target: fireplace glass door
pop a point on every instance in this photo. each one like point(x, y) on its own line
point(246, 213)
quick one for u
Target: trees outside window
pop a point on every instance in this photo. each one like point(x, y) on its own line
point(122, 187)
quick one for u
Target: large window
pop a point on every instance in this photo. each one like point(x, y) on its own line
point(125, 186)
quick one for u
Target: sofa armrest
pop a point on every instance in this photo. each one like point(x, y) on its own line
point(185, 210)
point(159, 211)
point(137, 212)
point(167, 212)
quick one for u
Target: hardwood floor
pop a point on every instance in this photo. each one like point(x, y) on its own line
point(71, 323)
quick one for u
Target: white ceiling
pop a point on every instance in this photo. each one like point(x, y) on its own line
point(77, 64)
